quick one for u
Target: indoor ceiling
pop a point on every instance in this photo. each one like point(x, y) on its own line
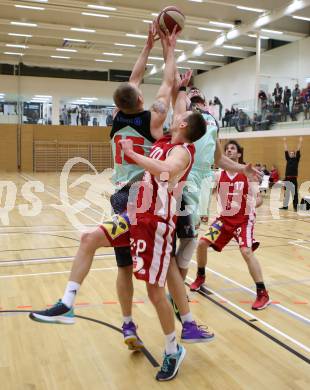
point(93, 35)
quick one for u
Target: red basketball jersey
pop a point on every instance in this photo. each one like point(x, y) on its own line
point(236, 198)
point(157, 196)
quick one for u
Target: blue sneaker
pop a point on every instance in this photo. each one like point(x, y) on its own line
point(171, 365)
point(131, 337)
point(174, 306)
point(57, 314)
point(193, 333)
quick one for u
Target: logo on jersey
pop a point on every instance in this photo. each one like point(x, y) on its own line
point(214, 231)
point(116, 227)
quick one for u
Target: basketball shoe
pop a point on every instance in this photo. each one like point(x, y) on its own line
point(57, 314)
point(197, 283)
point(131, 338)
point(262, 300)
point(193, 333)
point(171, 365)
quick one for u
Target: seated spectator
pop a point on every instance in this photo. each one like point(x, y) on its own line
point(242, 121)
point(265, 170)
point(297, 108)
point(256, 122)
point(274, 176)
point(307, 107)
point(226, 118)
point(277, 93)
point(296, 92)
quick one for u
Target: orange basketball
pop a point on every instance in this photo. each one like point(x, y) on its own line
point(170, 17)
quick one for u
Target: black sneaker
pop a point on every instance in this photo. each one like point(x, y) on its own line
point(57, 314)
point(175, 308)
point(283, 208)
point(171, 365)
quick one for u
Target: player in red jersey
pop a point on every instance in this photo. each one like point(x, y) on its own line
point(237, 198)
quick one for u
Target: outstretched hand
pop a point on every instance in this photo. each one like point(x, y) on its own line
point(185, 78)
point(253, 173)
point(153, 35)
point(168, 40)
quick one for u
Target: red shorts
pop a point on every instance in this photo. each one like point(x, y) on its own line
point(220, 233)
point(150, 242)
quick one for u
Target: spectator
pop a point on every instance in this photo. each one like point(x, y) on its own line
point(277, 93)
point(262, 98)
point(291, 175)
point(64, 116)
point(242, 121)
point(226, 118)
point(217, 102)
point(287, 97)
point(84, 120)
point(297, 108)
point(274, 176)
point(256, 122)
point(296, 92)
point(307, 107)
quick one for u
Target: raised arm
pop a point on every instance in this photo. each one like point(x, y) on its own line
point(177, 161)
point(285, 144)
point(139, 68)
point(160, 107)
point(299, 144)
point(226, 163)
point(181, 99)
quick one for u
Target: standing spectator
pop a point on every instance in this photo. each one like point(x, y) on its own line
point(83, 117)
point(287, 97)
point(64, 116)
point(277, 93)
point(217, 102)
point(307, 107)
point(226, 118)
point(296, 92)
point(256, 122)
point(291, 175)
point(297, 108)
point(274, 176)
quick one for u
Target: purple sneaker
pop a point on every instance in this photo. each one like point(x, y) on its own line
point(131, 338)
point(193, 333)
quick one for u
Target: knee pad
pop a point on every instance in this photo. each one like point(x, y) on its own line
point(185, 252)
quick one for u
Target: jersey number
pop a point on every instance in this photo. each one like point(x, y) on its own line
point(137, 141)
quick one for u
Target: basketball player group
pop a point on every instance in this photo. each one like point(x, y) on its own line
point(157, 204)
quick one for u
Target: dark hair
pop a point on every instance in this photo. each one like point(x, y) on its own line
point(233, 142)
point(126, 97)
point(196, 126)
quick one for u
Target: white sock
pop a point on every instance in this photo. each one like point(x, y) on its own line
point(171, 343)
point(70, 293)
point(187, 318)
point(127, 319)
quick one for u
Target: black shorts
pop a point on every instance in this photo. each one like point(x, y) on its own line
point(119, 204)
point(185, 227)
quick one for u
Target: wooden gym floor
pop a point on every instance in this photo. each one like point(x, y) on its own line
point(252, 350)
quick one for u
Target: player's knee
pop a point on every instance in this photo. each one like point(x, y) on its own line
point(89, 241)
point(202, 244)
point(154, 296)
point(185, 252)
point(246, 253)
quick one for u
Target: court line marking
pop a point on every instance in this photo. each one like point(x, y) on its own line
point(297, 244)
point(44, 260)
point(251, 316)
point(56, 197)
point(284, 308)
point(250, 323)
point(52, 273)
point(145, 351)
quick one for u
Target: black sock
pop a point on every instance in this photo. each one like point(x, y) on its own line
point(260, 286)
point(201, 271)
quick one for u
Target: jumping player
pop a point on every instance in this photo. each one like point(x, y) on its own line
point(238, 198)
point(150, 232)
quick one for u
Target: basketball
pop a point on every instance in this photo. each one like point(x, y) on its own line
point(169, 17)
